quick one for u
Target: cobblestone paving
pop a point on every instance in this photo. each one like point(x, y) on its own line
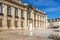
point(17, 35)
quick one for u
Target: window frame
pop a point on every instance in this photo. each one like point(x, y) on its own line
point(34, 16)
point(22, 13)
point(0, 22)
point(22, 24)
point(1, 8)
point(16, 24)
point(28, 15)
point(16, 12)
point(8, 10)
point(8, 23)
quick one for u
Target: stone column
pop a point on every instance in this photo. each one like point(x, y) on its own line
point(36, 21)
point(4, 23)
point(19, 20)
point(13, 18)
point(33, 21)
point(46, 21)
point(32, 16)
point(39, 21)
point(26, 21)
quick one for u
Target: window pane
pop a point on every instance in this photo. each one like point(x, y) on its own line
point(16, 12)
point(28, 15)
point(8, 23)
point(15, 24)
point(34, 16)
point(38, 17)
point(34, 24)
point(22, 13)
point(22, 23)
point(0, 22)
point(0, 8)
point(9, 10)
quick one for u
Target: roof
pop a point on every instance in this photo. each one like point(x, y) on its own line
point(26, 6)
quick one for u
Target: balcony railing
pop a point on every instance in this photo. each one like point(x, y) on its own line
point(22, 17)
point(30, 19)
point(38, 20)
point(16, 17)
point(35, 20)
point(1, 14)
point(10, 15)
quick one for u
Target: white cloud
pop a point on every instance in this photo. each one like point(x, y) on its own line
point(53, 9)
point(50, 3)
point(44, 2)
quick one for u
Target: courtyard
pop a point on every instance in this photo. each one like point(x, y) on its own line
point(26, 35)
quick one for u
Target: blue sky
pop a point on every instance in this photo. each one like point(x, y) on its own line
point(51, 7)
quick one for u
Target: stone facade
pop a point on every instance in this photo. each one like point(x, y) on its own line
point(27, 16)
point(54, 23)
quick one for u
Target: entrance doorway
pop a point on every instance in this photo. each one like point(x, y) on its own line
point(30, 26)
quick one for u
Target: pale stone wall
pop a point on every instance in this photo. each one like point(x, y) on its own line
point(40, 22)
point(54, 23)
point(4, 22)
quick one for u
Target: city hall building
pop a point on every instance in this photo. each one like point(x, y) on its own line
point(15, 14)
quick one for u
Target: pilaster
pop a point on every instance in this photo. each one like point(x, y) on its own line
point(19, 20)
point(5, 16)
point(13, 18)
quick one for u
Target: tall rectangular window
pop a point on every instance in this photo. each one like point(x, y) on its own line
point(43, 18)
point(8, 10)
point(16, 12)
point(22, 13)
point(34, 24)
point(22, 23)
point(28, 15)
point(16, 24)
point(34, 16)
point(9, 23)
point(38, 17)
point(0, 8)
point(0, 22)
